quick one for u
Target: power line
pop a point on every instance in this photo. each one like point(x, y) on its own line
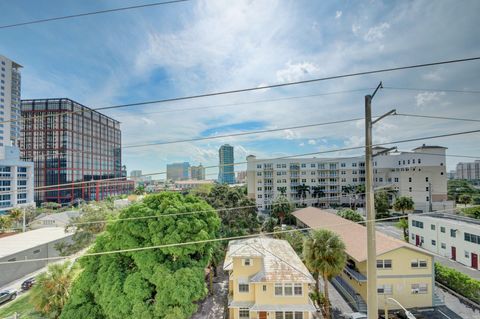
point(282, 157)
point(90, 13)
point(263, 87)
point(431, 90)
point(211, 240)
point(437, 117)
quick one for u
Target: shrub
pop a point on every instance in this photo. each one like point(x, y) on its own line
point(459, 282)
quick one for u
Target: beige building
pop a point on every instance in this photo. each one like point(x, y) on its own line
point(404, 272)
point(267, 280)
point(469, 171)
point(420, 174)
point(197, 172)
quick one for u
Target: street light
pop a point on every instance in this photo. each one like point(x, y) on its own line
point(407, 313)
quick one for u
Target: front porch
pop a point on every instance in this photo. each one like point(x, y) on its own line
point(249, 310)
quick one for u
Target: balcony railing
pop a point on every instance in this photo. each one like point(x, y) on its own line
point(355, 274)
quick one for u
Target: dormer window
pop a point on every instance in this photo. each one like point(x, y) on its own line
point(247, 262)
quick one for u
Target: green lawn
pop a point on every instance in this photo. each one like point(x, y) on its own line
point(21, 306)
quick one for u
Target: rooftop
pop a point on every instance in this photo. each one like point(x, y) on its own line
point(13, 244)
point(457, 219)
point(280, 262)
point(353, 234)
point(62, 217)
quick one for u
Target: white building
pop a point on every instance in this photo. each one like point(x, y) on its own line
point(61, 219)
point(10, 85)
point(420, 174)
point(34, 244)
point(449, 235)
point(16, 180)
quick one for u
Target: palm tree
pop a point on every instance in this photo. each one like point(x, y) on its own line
point(348, 190)
point(5, 223)
point(281, 207)
point(403, 225)
point(324, 254)
point(52, 289)
point(359, 190)
point(302, 191)
point(403, 203)
point(317, 192)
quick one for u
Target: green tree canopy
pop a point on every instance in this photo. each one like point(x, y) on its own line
point(381, 205)
point(324, 254)
point(465, 199)
point(281, 209)
point(473, 212)
point(403, 225)
point(403, 203)
point(350, 215)
point(153, 283)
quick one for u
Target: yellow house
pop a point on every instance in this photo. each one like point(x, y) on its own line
point(267, 280)
point(404, 272)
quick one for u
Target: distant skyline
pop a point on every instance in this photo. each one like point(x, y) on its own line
point(208, 45)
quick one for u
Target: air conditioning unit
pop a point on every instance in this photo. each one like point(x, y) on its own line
point(415, 291)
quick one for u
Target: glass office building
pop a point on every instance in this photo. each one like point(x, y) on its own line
point(226, 169)
point(73, 149)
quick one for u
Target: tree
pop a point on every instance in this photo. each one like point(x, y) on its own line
point(140, 190)
point(381, 205)
point(350, 215)
point(281, 208)
point(324, 254)
point(5, 223)
point(403, 225)
point(359, 193)
point(282, 190)
point(15, 214)
point(465, 199)
point(473, 212)
point(151, 283)
point(302, 191)
point(317, 192)
point(52, 289)
point(269, 224)
point(294, 238)
point(348, 190)
point(403, 203)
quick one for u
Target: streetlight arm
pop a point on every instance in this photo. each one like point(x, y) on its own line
point(407, 313)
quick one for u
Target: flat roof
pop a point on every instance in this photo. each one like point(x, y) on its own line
point(17, 243)
point(456, 219)
point(353, 234)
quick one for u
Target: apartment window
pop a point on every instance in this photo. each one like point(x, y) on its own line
point(443, 245)
point(418, 263)
point(243, 287)
point(467, 254)
point(442, 229)
point(278, 290)
point(384, 289)
point(354, 164)
point(434, 243)
point(396, 179)
point(426, 179)
point(384, 263)
point(419, 161)
point(244, 313)
point(432, 227)
point(427, 199)
point(304, 165)
point(413, 161)
point(419, 288)
point(416, 223)
point(288, 315)
point(247, 262)
point(453, 233)
point(409, 179)
point(259, 189)
point(342, 165)
point(259, 165)
point(264, 287)
point(259, 173)
point(288, 289)
point(298, 290)
point(36, 251)
point(426, 189)
point(259, 196)
point(399, 163)
point(312, 165)
point(472, 238)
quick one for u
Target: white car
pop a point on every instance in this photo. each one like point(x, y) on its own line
point(357, 315)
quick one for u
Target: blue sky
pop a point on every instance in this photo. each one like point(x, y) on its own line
point(203, 46)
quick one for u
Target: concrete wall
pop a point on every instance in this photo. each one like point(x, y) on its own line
point(9, 273)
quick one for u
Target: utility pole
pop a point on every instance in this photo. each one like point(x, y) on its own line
point(430, 208)
point(24, 226)
point(372, 301)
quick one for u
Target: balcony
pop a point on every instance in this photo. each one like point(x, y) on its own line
point(353, 298)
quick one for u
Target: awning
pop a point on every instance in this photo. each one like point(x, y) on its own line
point(240, 304)
point(280, 307)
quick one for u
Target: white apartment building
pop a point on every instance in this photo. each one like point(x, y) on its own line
point(16, 176)
point(420, 174)
point(452, 236)
point(10, 86)
point(468, 170)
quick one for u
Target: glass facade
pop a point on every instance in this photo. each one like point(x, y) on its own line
point(73, 148)
point(226, 169)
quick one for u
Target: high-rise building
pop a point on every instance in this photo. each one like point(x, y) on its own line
point(323, 182)
point(226, 174)
point(73, 149)
point(136, 174)
point(197, 172)
point(10, 86)
point(178, 171)
point(241, 177)
point(468, 170)
point(16, 176)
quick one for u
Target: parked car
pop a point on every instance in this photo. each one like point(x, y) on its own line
point(7, 295)
point(357, 315)
point(27, 284)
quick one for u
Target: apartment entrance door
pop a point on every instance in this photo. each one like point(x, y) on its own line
point(262, 315)
point(474, 261)
point(417, 240)
point(454, 253)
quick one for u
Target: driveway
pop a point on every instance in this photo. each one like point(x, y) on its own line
point(215, 306)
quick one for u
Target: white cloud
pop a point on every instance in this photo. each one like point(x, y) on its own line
point(291, 134)
point(356, 29)
point(312, 142)
point(426, 98)
point(377, 32)
point(338, 14)
point(296, 71)
point(301, 144)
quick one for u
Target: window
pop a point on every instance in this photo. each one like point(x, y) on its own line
point(427, 198)
point(278, 290)
point(432, 227)
point(264, 287)
point(342, 165)
point(426, 179)
point(396, 179)
point(384, 289)
point(416, 223)
point(442, 229)
point(298, 290)
point(434, 243)
point(419, 288)
point(243, 287)
point(426, 189)
point(259, 165)
point(278, 315)
point(312, 165)
point(419, 161)
point(247, 262)
point(453, 233)
point(409, 179)
point(472, 238)
point(443, 245)
point(467, 254)
point(288, 315)
point(384, 264)
point(244, 313)
point(287, 289)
